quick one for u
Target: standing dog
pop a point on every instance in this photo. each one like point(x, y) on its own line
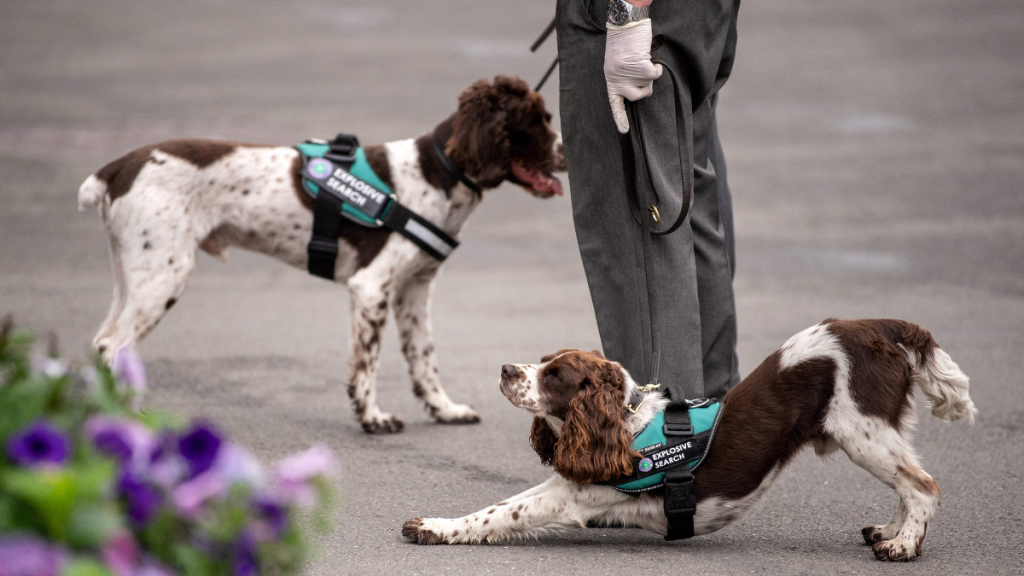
point(162, 202)
point(842, 384)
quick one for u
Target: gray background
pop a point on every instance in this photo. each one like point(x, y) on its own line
point(876, 154)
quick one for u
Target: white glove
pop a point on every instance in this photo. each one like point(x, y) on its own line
point(628, 69)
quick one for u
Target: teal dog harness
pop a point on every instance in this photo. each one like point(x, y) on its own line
point(343, 185)
point(658, 455)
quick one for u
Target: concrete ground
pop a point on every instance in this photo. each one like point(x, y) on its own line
point(876, 154)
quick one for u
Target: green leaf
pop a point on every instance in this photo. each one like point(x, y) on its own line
point(159, 535)
point(158, 420)
point(195, 563)
point(91, 525)
point(50, 492)
point(94, 480)
point(22, 402)
point(54, 493)
point(85, 567)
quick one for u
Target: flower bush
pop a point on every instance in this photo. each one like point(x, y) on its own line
point(90, 487)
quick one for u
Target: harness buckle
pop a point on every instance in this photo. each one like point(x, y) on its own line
point(343, 149)
point(677, 429)
point(320, 246)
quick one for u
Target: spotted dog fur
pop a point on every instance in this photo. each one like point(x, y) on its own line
point(840, 385)
point(161, 202)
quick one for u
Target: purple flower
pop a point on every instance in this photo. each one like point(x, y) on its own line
point(128, 441)
point(39, 444)
point(199, 446)
point(271, 513)
point(128, 368)
point(120, 554)
point(165, 465)
point(142, 499)
point(232, 465)
point(23, 555)
point(243, 557)
point(294, 473)
point(235, 463)
point(189, 496)
point(111, 443)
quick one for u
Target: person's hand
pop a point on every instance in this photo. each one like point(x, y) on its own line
point(628, 69)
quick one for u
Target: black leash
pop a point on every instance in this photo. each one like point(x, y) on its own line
point(537, 44)
point(680, 498)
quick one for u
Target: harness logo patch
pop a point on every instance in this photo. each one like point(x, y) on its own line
point(646, 465)
point(319, 168)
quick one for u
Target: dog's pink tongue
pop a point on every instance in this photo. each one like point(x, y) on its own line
point(537, 180)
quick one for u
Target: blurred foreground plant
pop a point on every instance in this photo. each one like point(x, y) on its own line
point(88, 487)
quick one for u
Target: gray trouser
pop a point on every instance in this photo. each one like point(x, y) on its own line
point(673, 293)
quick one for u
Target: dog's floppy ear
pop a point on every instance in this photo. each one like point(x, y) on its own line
point(479, 143)
point(543, 440)
point(550, 357)
point(594, 445)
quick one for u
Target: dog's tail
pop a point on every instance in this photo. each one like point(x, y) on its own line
point(90, 194)
point(936, 374)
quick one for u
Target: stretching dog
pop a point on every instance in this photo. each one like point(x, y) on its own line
point(842, 384)
point(162, 202)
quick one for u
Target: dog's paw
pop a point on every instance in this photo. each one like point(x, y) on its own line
point(457, 414)
point(383, 424)
point(872, 535)
point(894, 551)
point(414, 530)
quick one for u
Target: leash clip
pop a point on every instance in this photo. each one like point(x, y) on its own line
point(640, 391)
point(655, 214)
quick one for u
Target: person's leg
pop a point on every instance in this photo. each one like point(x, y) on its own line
point(672, 292)
point(609, 235)
point(717, 159)
point(714, 272)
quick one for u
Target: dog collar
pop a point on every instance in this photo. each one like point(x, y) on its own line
point(454, 170)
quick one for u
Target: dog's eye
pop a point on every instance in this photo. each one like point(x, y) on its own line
point(548, 378)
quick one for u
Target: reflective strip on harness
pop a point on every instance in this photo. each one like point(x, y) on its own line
point(420, 231)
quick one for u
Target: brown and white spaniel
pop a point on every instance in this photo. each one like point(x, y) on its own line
point(162, 202)
point(842, 384)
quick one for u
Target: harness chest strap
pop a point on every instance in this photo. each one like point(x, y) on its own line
point(671, 446)
point(342, 184)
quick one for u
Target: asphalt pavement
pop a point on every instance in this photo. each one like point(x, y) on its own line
point(876, 155)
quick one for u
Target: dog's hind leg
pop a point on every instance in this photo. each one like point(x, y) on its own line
point(412, 313)
point(155, 267)
point(100, 341)
point(369, 314)
point(886, 454)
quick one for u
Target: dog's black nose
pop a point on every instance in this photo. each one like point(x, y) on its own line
point(509, 371)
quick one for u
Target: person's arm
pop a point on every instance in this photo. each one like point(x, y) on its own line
point(628, 69)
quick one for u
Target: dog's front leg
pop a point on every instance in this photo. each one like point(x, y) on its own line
point(369, 313)
point(412, 312)
point(554, 504)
